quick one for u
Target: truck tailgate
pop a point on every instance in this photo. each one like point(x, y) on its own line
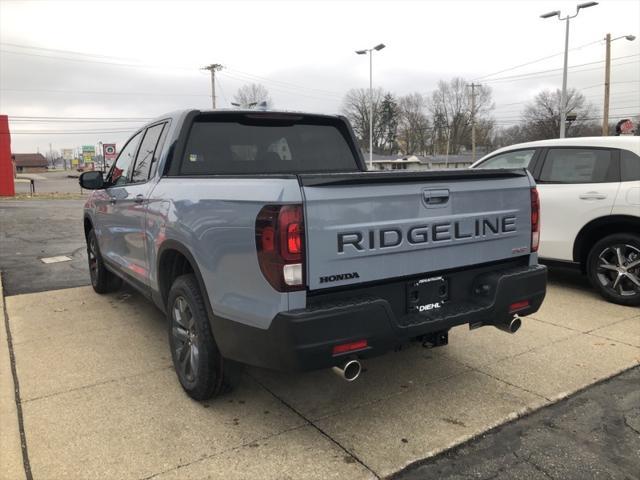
point(366, 227)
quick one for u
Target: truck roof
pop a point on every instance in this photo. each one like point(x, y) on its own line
point(179, 114)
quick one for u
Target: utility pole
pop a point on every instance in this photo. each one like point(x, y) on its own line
point(213, 68)
point(607, 78)
point(473, 119)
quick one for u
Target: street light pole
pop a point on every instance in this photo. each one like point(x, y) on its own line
point(607, 80)
point(370, 52)
point(370, 110)
point(563, 94)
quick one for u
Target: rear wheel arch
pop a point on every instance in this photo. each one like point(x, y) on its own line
point(174, 260)
point(599, 228)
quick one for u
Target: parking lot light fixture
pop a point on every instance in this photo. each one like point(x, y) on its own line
point(551, 14)
point(563, 95)
point(377, 48)
point(587, 5)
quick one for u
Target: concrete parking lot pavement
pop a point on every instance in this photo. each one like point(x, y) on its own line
point(100, 399)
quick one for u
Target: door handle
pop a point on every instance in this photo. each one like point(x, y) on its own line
point(435, 197)
point(593, 196)
point(139, 198)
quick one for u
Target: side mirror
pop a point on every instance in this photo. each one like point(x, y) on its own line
point(91, 180)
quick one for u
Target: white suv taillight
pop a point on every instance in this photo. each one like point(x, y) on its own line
point(280, 245)
point(535, 220)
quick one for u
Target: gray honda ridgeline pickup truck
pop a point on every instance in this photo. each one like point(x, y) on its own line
point(266, 242)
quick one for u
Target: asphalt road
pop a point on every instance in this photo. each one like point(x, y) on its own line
point(33, 229)
point(594, 434)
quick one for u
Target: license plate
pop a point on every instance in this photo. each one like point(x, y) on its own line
point(427, 294)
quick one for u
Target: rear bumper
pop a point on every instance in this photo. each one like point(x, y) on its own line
point(304, 339)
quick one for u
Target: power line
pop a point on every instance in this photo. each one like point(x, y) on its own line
point(30, 117)
point(160, 94)
point(286, 89)
point(33, 47)
point(293, 85)
point(535, 61)
point(86, 60)
point(35, 121)
point(226, 100)
point(530, 74)
point(67, 132)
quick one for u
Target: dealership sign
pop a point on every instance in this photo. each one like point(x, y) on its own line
point(88, 153)
point(109, 151)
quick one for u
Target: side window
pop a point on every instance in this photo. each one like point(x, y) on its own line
point(578, 165)
point(514, 159)
point(629, 166)
point(146, 154)
point(120, 171)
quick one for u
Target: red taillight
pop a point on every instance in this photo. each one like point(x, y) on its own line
point(535, 220)
point(291, 231)
point(280, 245)
point(516, 307)
point(349, 347)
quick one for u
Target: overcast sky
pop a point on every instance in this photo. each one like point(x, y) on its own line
point(132, 60)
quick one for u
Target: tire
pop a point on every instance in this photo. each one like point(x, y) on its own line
point(613, 267)
point(201, 369)
point(102, 280)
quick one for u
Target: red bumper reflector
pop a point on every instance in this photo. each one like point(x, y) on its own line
point(516, 307)
point(349, 347)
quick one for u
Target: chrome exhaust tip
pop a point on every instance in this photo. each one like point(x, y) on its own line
point(510, 327)
point(349, 371)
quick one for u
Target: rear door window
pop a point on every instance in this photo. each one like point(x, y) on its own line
point(258, 145)
point(629, 166)
point(121, 170)
point(513, 159)
point(146, 154)
point(578, 165)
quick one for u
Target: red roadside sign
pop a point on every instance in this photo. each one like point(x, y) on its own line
point(109, 151)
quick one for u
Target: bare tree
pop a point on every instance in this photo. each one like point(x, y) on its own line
point(355, 107)
point(414, 131)
point(542, 116)
point(249, 95)
point(450, 105)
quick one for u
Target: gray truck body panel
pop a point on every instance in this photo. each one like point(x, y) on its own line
point(439, 224)
point(465, 228)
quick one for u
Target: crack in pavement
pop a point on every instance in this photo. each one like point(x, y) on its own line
point(16, 386)
point(97, 384)
point(320, 430)
point(222, 452)
point(528, 461)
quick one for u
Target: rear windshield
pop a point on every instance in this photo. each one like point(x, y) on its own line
point(259, 144)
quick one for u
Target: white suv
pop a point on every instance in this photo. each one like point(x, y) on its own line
point(590, 206)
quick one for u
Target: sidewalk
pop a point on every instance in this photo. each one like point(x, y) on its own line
point(100, 398)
